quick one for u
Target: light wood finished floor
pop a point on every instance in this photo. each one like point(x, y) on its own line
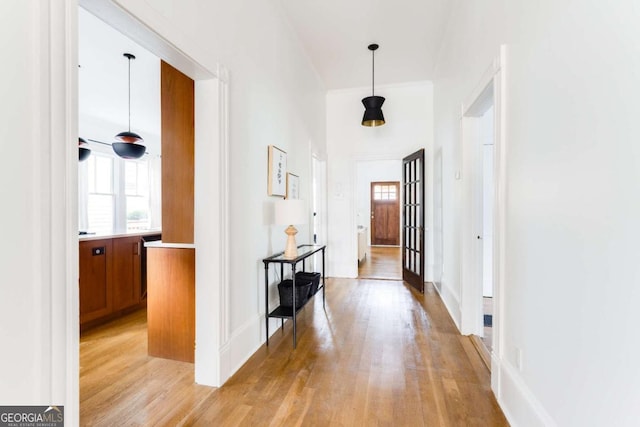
point(381, 354)
point(381, 262)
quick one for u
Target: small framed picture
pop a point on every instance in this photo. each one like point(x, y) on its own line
point(277, 180)
point(293, 186)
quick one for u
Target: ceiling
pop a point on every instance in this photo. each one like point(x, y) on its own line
point(336, 33)
point(103, 89)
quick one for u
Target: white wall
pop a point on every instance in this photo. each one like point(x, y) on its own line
point(368, 171)
point(408, 113)
point(38, 222)
point(571, 294)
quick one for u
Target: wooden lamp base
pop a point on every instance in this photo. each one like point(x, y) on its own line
point(291, 250)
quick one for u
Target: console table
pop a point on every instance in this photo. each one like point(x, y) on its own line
point(304, 252)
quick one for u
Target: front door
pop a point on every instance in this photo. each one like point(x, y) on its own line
point(385, 213)
point(413, 220)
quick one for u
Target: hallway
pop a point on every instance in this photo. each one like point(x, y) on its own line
point(380, 354)
point(381, 262)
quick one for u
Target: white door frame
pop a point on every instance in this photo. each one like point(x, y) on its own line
point(211, 216)
point(60, 27)
point(319, 176)
point(491, 88)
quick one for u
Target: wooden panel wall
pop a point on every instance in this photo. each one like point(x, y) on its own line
point(178, 138)
point(171, 317)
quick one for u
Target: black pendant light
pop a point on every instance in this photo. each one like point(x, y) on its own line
point(83, 150)
point(128, 146)
point(373, 104)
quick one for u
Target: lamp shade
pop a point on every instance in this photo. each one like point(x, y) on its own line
point(128, 136)
point(373, 104)
point(127, 150)
point(373, 111)
point(290, 212)
point(83, 150)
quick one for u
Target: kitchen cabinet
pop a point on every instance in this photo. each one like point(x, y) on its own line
point(110, 278)
point(126, 276)
point(95, 279)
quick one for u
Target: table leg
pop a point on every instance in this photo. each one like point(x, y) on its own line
point(266, 299)
point(324, 282)
point(293, 289)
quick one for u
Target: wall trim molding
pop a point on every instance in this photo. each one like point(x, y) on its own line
point(451, 302)
point(359, 89)
point(242, 344)
point(517, 401)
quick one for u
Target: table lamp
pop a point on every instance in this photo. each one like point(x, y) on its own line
point(290, 212)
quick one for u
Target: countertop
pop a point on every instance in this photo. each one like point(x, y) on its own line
point(99, 236)
point(161, 244)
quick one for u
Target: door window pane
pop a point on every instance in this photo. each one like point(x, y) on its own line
point(384, 192)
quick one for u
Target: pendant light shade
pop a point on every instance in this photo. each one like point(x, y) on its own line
point(373, 104)
point(128, 150)
point(373, 111)
point(127, 136)
point(128, 146)
point(83, 151)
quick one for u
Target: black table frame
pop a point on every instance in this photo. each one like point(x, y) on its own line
point(305, 252)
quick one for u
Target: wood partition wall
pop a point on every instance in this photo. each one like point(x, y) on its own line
point(171, 321)
point(171, 263)
point(178, 141)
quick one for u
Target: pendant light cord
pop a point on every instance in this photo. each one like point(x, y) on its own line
point(373, 70)
point(129, 58)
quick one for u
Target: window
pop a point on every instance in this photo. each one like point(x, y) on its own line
point(384, 192)
point(114, 194)
point(101, 197)
point(136, 185)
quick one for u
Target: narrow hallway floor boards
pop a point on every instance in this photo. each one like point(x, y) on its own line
point(381, 354)
point(381, 262)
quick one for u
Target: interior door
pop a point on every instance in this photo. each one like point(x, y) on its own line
point(385, 213)
point(413, 220)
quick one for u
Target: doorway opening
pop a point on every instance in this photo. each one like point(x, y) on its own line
point(486, 140)
point(378, 195)
point(478, 158)
point(318, 204)
point(211, 188)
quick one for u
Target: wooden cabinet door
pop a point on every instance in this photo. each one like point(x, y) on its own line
point(95, 279)
point(126, 272)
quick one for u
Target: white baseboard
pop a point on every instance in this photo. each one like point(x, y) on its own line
point(243, 343)
point(518, 403)
point(452, 303)
point(516, 400)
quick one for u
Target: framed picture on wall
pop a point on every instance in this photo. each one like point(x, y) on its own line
point(293, 186)
point(277, 180)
